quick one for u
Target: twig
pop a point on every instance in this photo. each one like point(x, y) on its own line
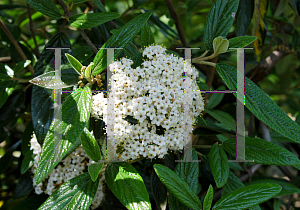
point(209, 79)
point(5, 60)
point(203, 146)
point(37, 53)
point(84, 36)
point(15, 43)
point(290, 202)
point(177, 22)
point(264, 68)
point(20, 80)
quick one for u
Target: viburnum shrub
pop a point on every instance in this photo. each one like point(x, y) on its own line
point(117, 120)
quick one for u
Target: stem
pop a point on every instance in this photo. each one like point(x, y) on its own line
point(203, 146)
point(15, 43)
point(84, 36)
point(20, 80)
point(204, 54)
point(177, 22)
point(207, 63)
point(37, 53)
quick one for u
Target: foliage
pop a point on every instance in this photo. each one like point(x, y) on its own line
point(204, 177)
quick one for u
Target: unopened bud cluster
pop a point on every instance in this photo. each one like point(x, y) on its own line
point(152, 107)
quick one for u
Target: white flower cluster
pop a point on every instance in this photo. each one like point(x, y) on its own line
point(75, 164)
point(162, 96)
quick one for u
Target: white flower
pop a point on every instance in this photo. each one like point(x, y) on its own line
point(162, 96)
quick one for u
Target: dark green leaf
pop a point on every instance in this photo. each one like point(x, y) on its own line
point(159, 191)
point(94, 170)
point(21, 65)
point(10, 6)
point(13, 29)
point(41, 103)
point(240, 42)
point(219, 20)
point(137, 60)
point(15, 55)
point(189, 172)
point(276, 204)
point(24, 185)
point(147, 37)
point(208, 198)
point(78, 1)
point(27, 161)
point(31, 202)
point(26, 138)
point(247, 197)
point(90, 145)
point(99, 134)
point(261, 105)
point(99, 5)
point(75, 115)
point(11, 110)
point(5, 159)
point(287, 188)
point(219, 165)
point(263, 152)
point(90, 20)
point(215, 98)
point(233, 183)
point(75, 63)
point(222, 119)
point(47, 7)
point(78, 193)
point(244, 17)
point(176, 186)
point(127, 185)
point(6, 89)
point(119, 40)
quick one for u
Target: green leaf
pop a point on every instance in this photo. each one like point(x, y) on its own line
point(208, 198)
point(47, 7)
point(244, 17)
point(47, 80)
point(287, 188)
point(264, 108)
point(13, 29)
point(24, 185)
point(176, 186)
point(159, 191)
point(220, 45)
point(215, 98)
point(119, 40)
point(219, 165)
point(87, 72)
point(276, 204)
point(91, 20)
point(20, 66)
point(6, 89)
point(247, 197)
point(27, 161)
point(99, 5)
point(234, 183)
point(74, 63)
point(127, 185)
point(94, 170)
point(11, 111)
point(219, 20)
point(147, 37)
point(263, 152)
point(31, 202)
point(77, 193)
point(189, 172)
point(222, 119)
point(5, 159)
point(41, 102)
point(75, 115)
point(27, 135)
point(78, 1)
point(240, 42)
point(90, 145)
